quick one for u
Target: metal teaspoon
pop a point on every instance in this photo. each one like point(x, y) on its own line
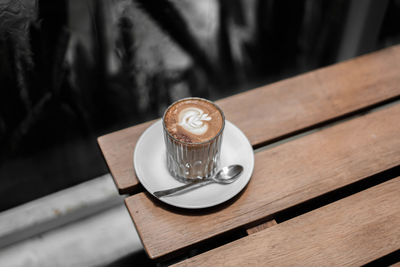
point(226, 175)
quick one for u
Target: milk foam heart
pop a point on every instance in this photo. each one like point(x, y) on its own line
point(193, 120)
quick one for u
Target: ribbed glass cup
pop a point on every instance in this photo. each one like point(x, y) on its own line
point(191, 161)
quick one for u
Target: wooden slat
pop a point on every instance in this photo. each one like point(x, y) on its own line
point(350, 232)
point(261, 227)
point(283, 108)
point(284, 176)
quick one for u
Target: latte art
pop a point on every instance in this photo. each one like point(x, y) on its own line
point(192, 120)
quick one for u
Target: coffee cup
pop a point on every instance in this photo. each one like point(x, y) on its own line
point(193, 129)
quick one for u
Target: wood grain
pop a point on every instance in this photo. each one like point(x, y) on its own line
point(263, 226)
point(350, 232)
point(283, 108)
point(284, 176)
point(293, 104)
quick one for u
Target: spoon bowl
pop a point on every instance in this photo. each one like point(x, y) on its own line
point(228, 174)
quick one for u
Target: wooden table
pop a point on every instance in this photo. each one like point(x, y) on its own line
point(326, 184)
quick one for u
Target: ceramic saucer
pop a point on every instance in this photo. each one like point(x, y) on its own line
point(149, 161)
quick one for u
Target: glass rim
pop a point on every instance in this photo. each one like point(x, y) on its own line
point(199, 143)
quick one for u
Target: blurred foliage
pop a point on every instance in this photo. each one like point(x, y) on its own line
point(43, 88)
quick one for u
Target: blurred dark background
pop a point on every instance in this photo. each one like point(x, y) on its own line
point(71, 71)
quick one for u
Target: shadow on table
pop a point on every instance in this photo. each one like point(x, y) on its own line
point(135, 259)
point(196, 212)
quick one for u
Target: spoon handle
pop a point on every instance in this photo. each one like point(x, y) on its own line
point(182, 188)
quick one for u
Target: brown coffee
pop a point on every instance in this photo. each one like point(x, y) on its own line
point(193, 120)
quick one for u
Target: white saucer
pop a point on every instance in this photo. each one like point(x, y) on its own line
point(149, 161)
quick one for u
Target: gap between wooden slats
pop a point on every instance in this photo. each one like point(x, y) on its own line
point(350, 232)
